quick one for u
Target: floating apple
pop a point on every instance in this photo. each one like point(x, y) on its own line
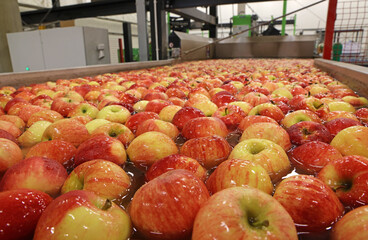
point(352, 141)
point(307, 131)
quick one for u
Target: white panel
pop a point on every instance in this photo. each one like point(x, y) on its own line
point(26, 51)
point(63, 47)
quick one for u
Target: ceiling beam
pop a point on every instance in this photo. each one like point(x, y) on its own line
point(172, 4)
point(195, 14)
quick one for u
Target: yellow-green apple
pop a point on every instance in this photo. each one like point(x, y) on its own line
point(184, 115)
point(203, 127)
point(339, 114)
point(44, 115)
point(209, 151)
point(315, 105)
point(84, 109)
point(19, 212)
point(38, 173)
point(135, 120)
point(307, 131)
point(114, 113)
point(115, 130)
point(69, 130)
point(341, 106)
point(223, 98)
point(168, 112)
point(269, 110)
point(82, 214)
point(254, 98)
point(151, 209)
point(352, 141)
point(348, 177)
point(159, 126)
point(150, 147)
point(310, 202)
point(10, 154)
point(269, 131)
point(92, 96)
point(239, 173)
point(299, 116)
point(206, 106)
point(63, 105)
point(249, 120)
point(351, 225)
point(140, 106)
point(176, 161)
point(101, 147)
point(10, 128)
point(33, 134)
point(356, 101)
point(246, 107)
point(95, 123)
point(58, 150)
point(282, 92)
point(231, 115)
point(102, 177)
point(266, 153)
point(311, 157)
point(336, 125)
point(243, 213)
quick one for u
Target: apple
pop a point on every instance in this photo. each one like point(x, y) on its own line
point(38, 173)
point(7, 135)
point(203, 127)
point(44, 115)
point(311, 157)
point(307, 131)
point(114, 113)
point(209, 151)
point(299, 116)
point(310, 202)
point(249, 120)
point(102, 177)
point(69, 130)
point(282, 92)
point(140, 106)
point(254, 98)
point(155, 95)
point(351, 224)
point(175, 92)
point(84, 109)
point(356, 101)
point(115, 130)
point(156, 105)
point(19, 212)
point(315, 105)
point(269, 110)
point(10, 154)
point(246, 107)
point(336, 125)
point(95, 123)
point(266, 153)
point(339, 114)
point(231, 115)
point(269, 131)
point(167, 113)
point(11, 102)
point(101, 147)
point(243, 213)
point(206, 106)
point(135, 120)
point(150, 147)
point(184, 115)
point(128, 98)
point(151, 209)
point(26, 111)
point(361, 114)
point(341, 106)
point(157, 125)
point(82, 214)
point(10, 128)
point(17, 121)
point(63, 105)
point(239, 173)
point(352, 141)
point(58, 150)
point(123, 104)
point(348, 177)
point(223, 98)
point(33, 134)
point(176, 161)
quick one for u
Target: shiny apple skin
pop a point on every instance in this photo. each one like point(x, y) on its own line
point(184, 115)
point(204, 127)
point(336, 125)
point(307, 131)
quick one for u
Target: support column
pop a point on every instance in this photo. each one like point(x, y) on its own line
point(158, 20)
point(330, 27)
point(284, 18)
point(128, 43)
point(142, 29)
point(10, 21)
point(213, 28)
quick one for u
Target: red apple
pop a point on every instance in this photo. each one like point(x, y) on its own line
point(7, 135)
point(231, 115)
point(64, 105)
point(249, 120)
point(184, 115)
point(223, 98)
point(243, 213)
point(152, 206)
point(17, 121)
point(19, 212)
point(239, 173)
point(269, 110)
point(135, 120)
point(82, 214)
point(311, 157)
point(44, 115)
point(38, 173)
point(176, 161)
point(255, 98)
point(336, 125)
point(203, 127)
point(157, 125)
point(311, 203)
point(307, 131)
point(348, 177)
point(115, 130)
point(101, 147)
point(10, 128)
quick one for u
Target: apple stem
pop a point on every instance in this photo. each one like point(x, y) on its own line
point(107, 205)
point(255, 223)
